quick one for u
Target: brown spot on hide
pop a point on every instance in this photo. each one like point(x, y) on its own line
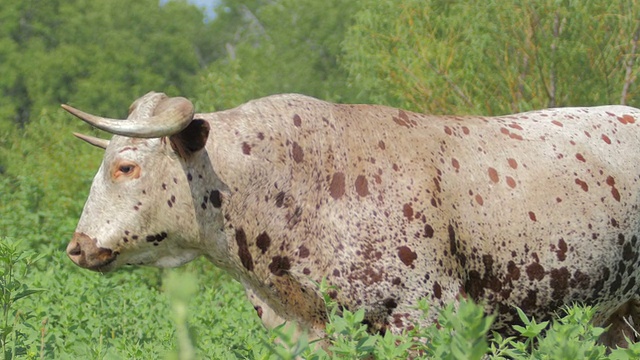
point(407, 210)
point(455, 164)
point(397, 321)
point(580, 157)
point(215, 199)
point(614, 192)
point(296, 151)
point(428, 231)
point(606, 139)
point(473, 285)
point(627, 252)
point(437, 290)
point(559, 282)
point(246, 148)
point(401, 122)
point(530, 301)
point(630, 285)
point(362, 186)
point(532, 216)
point(626, 119)
point(557, 123)
point(297, 121)
point(511, 182)
point(493, 175)
point(447, 130)
point(535, 272)
point(465, 130)
point(479, 199)
point(403, 115)
point(406, 255)
point(582, 184)
point(512, 163)
point(258, 310)
point(260, 136)
point(263, 241)
point(303, 252)
point(561, 253)
point(579, 280)
point(381, 145)
point(279, 265)
point(156, 237)
point(513, 271)
point(452, 240)
point(436, 182)
point(614, 222)
point(243, 250)
point(337, 188)
point(280, 199)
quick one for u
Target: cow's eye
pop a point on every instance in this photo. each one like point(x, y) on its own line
point(126, 169)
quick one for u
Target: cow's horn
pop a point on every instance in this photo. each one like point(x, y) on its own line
point(101, 143)
point(177, 114)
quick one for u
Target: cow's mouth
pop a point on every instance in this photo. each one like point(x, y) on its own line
point(105, 267)
point(84, 252)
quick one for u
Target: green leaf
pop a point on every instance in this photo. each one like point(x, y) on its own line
point(26, 293)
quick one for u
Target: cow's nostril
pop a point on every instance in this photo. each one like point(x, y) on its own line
point(74, 250)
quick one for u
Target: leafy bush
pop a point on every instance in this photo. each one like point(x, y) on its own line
point(18, 331)
point(462, 333)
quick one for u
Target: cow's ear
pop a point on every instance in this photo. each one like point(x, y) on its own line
point(193, 138)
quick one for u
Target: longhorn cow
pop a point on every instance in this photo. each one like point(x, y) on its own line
point(535, 210)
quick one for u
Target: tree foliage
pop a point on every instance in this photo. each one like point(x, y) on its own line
point(278, 47)
point(494, 57)
point(97, 54)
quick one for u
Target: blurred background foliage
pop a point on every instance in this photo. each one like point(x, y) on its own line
point(434, 56)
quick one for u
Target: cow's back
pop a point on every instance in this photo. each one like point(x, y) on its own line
point(531, 210)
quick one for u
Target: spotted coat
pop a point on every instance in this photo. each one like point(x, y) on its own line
point(535, 210)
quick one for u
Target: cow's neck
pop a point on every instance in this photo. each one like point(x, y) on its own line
point(208, 194)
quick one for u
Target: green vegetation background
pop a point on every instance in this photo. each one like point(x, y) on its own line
point(491, 57)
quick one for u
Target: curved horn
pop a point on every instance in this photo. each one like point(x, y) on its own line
point(97, 142)
point(175, 115)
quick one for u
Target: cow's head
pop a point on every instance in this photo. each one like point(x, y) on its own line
point(140, 209)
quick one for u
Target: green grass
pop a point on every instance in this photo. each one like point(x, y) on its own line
point(125, 315)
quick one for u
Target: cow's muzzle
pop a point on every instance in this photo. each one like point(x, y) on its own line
point(84, 252)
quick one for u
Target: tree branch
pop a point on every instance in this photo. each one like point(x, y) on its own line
point(628, 78)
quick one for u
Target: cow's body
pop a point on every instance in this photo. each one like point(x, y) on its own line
point(535, 210)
